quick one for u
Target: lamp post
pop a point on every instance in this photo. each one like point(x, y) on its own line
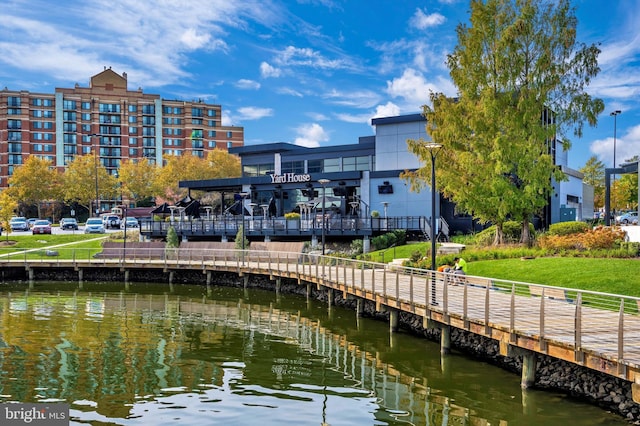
point(433, 151)
point(95, 165)
point(243, 196)
point(323, 182)
point(124, 245)
point(615, 122)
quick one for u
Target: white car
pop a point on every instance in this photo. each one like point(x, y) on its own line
point(94, 226)
point(627, 218)
point(130, 222)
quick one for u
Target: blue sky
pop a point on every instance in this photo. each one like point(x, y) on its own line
point(310, 72)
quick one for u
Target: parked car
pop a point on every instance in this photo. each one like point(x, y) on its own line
point(129, 222)
point(94, 225)
point(69, 223)
point(41, 227)
point(111, 221)
point(627, 218)
point(19, 224)
point(31, 221)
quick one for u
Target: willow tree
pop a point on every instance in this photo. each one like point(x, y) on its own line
point(521, 78)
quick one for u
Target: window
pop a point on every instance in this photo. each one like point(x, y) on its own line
point(70, 150)
point(69, 138)
point(196, 112)
point(314, 166)
point(149, 120)
point(133, 141)
point(15, 148)
point(86, 116)
point(14, 111)
point(133, 130)
point(68, 105)
point(197, 121)
point(212, 123)
point(14, 136)
point(47, 125)
point(86, 127)
point(42, 102)
point(86, 105)
point(13, 101)
point(229, 134)
point(211, 113)
point(133, 152)
point(109, 108)
point(69, 116)
point(17, 124)
point(197, 143)
point(133, 119)
point(149, 142)
point(69, 127)
point(133, 108)
point(296, 167)
point(148, 109)
point(212, 133)
point(331, 165)
point(15, 159)
point(148, 131)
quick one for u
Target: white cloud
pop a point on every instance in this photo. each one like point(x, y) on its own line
point(316, 116)
point(356, 98)
point(413, 88)
point(267, 70)
point(254, 113)
point(247, 84)
point(193, 40)
point(293, 56)
point(420, 20)
point(387, 110)
point(627, 146)
point(310, 135)
point(289, 91)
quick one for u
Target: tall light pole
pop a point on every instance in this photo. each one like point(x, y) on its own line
point(433, 151)
point(243, 196)
point(615, 123)
point(323, 182)
point(95, 164)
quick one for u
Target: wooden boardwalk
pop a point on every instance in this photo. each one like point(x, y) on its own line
point(596, 330)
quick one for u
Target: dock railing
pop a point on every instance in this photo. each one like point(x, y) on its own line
point(585, 323)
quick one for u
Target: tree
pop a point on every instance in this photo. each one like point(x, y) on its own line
point(189, 167)
point(625, 190)
point(593, 172)
point(8, 205)
point(34, 182)
point(137, 179)
point(80, 182)
point(520, 76)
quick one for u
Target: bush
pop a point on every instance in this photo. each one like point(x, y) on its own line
point(568, 228)
point(292, 215)
point(592, 239)
point(397, 237)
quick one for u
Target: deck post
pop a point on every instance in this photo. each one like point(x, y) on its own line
point(30, 273)
point(245, 283)
point(126, 275)
point(171, 276)
point(366, 244)
point(208, 278)
point(329, 296)
point(445, 339)
point(359, 307)
point(308, 290)
point(278, 283)
point(80, 276)
point(394, 320)
point(528, 369)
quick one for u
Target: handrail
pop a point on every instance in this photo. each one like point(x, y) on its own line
point(604, 324)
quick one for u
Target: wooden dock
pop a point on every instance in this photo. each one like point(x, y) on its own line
point(596, 330)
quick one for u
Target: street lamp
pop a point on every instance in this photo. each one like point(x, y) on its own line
point(243, 196)
point(615, 122)
point(124, 245)
point(95, 164)
point(323, 182)
point(433, 148)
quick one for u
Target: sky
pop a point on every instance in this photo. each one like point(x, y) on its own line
point(309, 72)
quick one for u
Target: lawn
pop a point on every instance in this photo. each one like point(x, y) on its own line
point(34, 246)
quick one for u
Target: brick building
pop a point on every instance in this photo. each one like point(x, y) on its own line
point(121, 123)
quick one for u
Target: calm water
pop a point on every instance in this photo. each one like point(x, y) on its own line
point(230, 357)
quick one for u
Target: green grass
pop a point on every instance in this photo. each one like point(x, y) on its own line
point(616, 276)
point(35, 246)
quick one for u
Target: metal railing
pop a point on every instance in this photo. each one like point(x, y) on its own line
point(585, 322)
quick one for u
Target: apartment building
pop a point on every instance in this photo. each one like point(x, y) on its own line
point(108, 117)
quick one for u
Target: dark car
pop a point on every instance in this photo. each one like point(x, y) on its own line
point(69, 223)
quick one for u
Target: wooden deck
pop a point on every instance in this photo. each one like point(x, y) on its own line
point(596, 330)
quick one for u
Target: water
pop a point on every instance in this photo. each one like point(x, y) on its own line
point(232, 357)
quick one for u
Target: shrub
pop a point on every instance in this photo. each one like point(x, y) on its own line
point(375, 213)
point(398, 237)
point(292, 215)
point(568, 228)
point(592, 239)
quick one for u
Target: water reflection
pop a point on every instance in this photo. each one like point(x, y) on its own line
point(227, 356)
